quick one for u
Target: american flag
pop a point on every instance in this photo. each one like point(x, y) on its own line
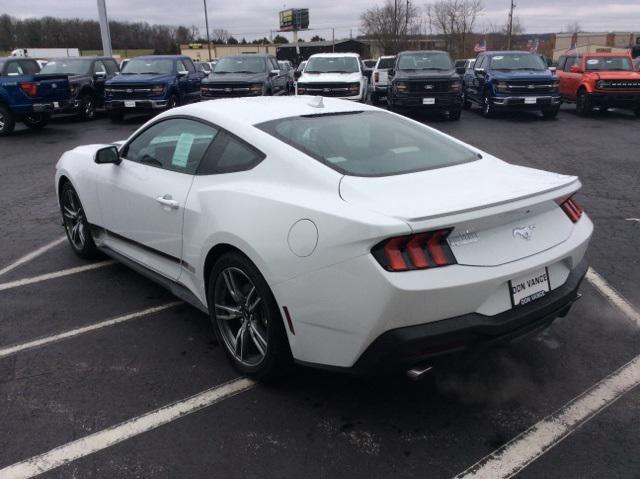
point(573, 51)
point(481, 46)
point(534, 46)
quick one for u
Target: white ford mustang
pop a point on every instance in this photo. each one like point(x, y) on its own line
point(330, 233)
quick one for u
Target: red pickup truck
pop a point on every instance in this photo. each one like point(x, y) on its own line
point(599, 80)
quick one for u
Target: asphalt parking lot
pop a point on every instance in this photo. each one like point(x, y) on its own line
point(59, 395)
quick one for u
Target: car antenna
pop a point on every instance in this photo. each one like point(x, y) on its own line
point(316, 102)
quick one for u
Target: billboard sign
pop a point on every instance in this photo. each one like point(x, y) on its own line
point(294, 19)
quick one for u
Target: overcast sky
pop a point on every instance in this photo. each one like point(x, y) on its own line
point(256, 18)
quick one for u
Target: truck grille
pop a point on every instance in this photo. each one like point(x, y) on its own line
point(429, 86)
point(532, 87)
point(619, 84)
point(129, 91)
point(225, 89)
point(329, 89)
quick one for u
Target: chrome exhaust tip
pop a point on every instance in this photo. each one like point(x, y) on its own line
point(418, 372)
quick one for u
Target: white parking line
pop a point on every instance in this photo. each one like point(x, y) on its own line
point(108, 437)
point(521, 451)
point(56, 274)
point(613, 296)
point(32, 255)
point(75, 332)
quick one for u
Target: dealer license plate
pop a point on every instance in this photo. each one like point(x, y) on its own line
point(531, 100)
point(529, 287)
point(428, 101)
point(130, 104)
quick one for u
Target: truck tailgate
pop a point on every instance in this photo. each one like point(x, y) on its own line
point(51, 87)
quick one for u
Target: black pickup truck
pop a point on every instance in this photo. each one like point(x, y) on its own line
point(87, 76)
point(425, 80)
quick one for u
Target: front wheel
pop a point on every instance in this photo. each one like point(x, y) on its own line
point(87, 107)
point(173, 101)
point(7, 121)
point(246, 318)
point(583, 104)
point(466, 104)
point(454, 115)
point(488, 110)
point(36, 121)
point(75, 223)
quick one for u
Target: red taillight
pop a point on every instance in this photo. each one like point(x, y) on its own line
point(29, 88)
point(376, 77)
point(418, 251)
point(572, 209)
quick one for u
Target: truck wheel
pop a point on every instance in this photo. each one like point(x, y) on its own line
point(75, 223)
point(488, 109)
point(173, 101)
point(7, 121)
point(116, 115)
point(454, 115)
point(583, 104)
point(87, 107)
point(466, 104)
point(36, 121)
point(550, 113)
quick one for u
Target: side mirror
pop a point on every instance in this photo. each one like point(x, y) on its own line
point(479, 71)
point(460, 70)
point(576, 69)
point(107, 155)
point(368, 73)
point(183, 73)
point(101, 75)
point(274, 73)
point(297, 74)
point(391, 72)
point(553, 70)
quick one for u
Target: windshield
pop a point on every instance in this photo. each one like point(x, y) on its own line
point(69, 67)
point(424, 61)
point(386, 63)
point(332, 65)
point(240, 65)
point(517, 61)
point(148, 65)
point(368, 143)
point(609, 64)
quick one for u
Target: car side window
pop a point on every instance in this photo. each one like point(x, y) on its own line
point(111, 65)
point(98, 67)
point(29, 67)
point(274, 64)
point(229, 154)
point(180, 66)
point(561, 62)
point(14, 69)
point(570, 61)
point(480, 62)
point(176, 144)
point(191, 68)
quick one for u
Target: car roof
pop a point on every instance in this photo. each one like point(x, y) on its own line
point(595, 54)
point(245, 55)
point(334, 55)
point(58, 59)
point(160, 57)
point(423, 51)
point(255, 110)
point(509, 52)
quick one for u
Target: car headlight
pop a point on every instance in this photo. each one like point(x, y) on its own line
point(401, 87)
point(600, 84)
point(108, 90)
point(256, 88)
point(354, 88)
point(556, 83)
point(456, 86)
point(157, 89)
point(502, 87)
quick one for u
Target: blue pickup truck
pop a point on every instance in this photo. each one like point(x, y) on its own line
point(152, 83)
point(512, 80)
point(27, 96)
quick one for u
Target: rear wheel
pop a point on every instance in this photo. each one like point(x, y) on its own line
point(488, 110)
point(583, 103)
point(36, 121)
point(454, 115)
point(87, 107)
point(246, 318)
point(7, 121)
point(75, 223)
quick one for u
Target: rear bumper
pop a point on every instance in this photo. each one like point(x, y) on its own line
point(51, 107)
point(519, 102)
point(405, 347)
point(613, 100)
point(140, 105)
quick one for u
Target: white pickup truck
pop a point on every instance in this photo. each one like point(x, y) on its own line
point(339, 75)
point(380, 78)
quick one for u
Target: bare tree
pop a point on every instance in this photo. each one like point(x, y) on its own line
point(573, 27)
point(220, 35)
point(391, 24)
point(454, 20)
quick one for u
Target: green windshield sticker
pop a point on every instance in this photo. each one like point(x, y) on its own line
point(183, 148)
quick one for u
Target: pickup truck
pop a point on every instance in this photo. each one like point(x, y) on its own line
point(152, 83)
point(512, 80)
point(87, 77)
point(245, 75)
point(599, 80)
point(27, 96)
point(339, 75)
point(380, 78)
point(425, 80)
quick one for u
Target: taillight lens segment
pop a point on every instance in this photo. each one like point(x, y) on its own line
point(29, 88)
point(417, 251)
point(572, 209)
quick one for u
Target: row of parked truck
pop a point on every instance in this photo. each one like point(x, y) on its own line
point(411, 80)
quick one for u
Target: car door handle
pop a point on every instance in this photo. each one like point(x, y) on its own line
point(168, 201)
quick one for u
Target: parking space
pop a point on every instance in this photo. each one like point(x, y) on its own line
point(311, 423)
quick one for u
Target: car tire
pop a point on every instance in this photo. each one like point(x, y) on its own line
point(584, 106)
point(550, 113)
point(466, 104)
point(173, 101)
point(7, 121)
point(36, 121)
point(116, 116)
point(87, 107)
point(75, 223)
point(246, 318)
point(454, 115)
point(488, 110)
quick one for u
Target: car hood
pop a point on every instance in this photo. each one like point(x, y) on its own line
point(424, 75)
point(614, 75)
point(330, 77)
point(235, 77)
point(522, 75)
point(148, 78)
point(423, 195)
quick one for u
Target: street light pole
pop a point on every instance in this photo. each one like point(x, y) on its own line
point(510, 29)
point(206, 22)
point(104, 29)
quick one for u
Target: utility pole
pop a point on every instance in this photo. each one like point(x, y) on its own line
point(206, 23)
point(333, 40)
point(104, 29)
point(510, 27)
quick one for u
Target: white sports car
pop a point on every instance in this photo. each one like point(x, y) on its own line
point(328, 232)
